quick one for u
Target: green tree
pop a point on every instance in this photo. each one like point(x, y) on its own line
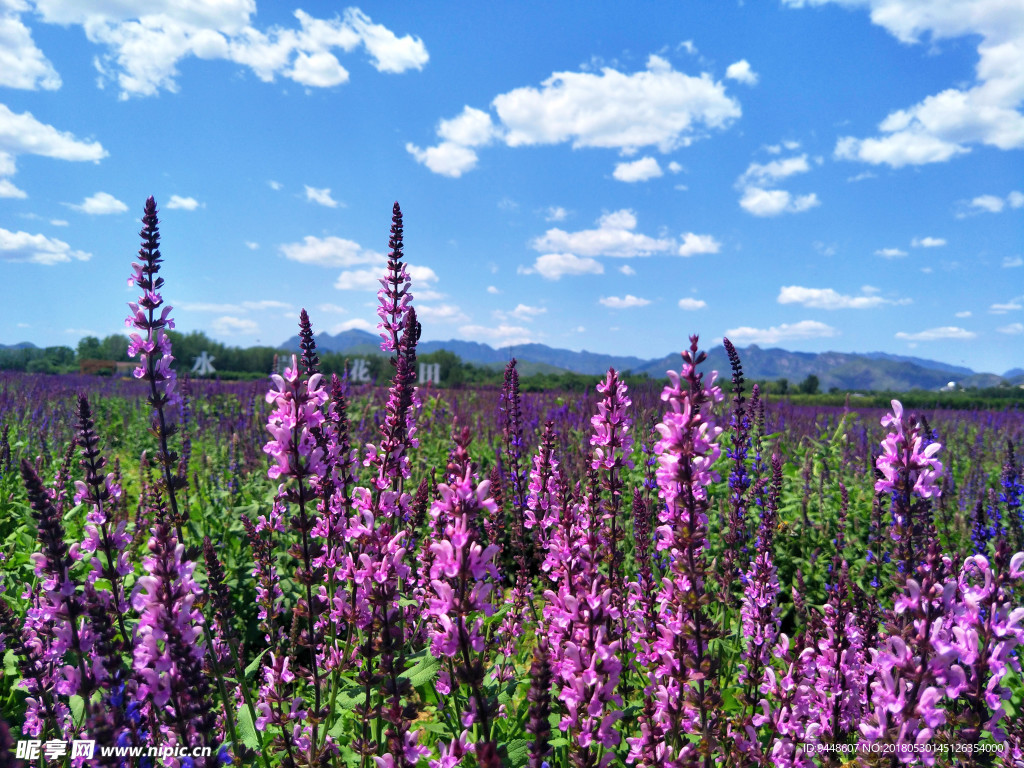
point(809, 386)
point(89, 348)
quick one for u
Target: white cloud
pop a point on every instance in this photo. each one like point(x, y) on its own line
point(614, 236)
point(441, 313)
point(38, 249)
point(827, 298)
point(500, 336)
point(265, 304)
point(22, 64)
point(142, 53)
point(949, 123)
point(447, 158)
point(1009, 262)
point(656, 107)
point(1015, 199)
point(330, 252)
point(356, 323)
point(491, 289)
point(58, 222)
point(275, 185)
point(207, 306)
point(556, 213)
point(762, 174)
point(862, 176)
point(317, 70)
point(962, 315)
point(1013, 329)
point(805, 329)
point(100, 204)
point(741, 72)
point(627, 270)
point(927, 242)
point(472, 128)
point(989, 203)
point(22, 134)
point(552, 266)
point(624, 302)
point(183, 203)
point(227, 325)
point(639, 170)
point(369, 280)
point(674, 167)
point(692, 304)
point(890, 253)
point(334, 309)
point(694, 244)
point(772, 202)
point(526, 312)
point(1010, 306)
point(937, 334)
point(7, 189)
point(320, 196)
point(252, 246)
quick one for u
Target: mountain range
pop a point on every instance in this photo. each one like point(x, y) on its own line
point(847, 371)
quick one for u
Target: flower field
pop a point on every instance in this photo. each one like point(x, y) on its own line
point(308, 572)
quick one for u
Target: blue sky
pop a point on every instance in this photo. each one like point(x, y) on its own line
point(808, 174)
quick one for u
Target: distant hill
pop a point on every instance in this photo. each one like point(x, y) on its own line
point(848, 371)
point(19, 345)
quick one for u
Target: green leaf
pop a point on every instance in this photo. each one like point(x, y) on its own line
point(10, 665)
point(77, 704)
point(518, 752)
point(424, 671)
point(247, 729)
point(255, 663)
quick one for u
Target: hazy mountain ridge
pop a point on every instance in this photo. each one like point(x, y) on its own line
point(867, 371)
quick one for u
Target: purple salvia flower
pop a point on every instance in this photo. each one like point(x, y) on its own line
point(394, 296)
point(684, 690)
point(169, 650)
point(44, 713)
point(612, 443)
point(539, 699)
point(153, 346)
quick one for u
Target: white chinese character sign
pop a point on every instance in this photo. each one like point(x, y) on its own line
point(204, 365)
point(430, 373)
point(359, 373)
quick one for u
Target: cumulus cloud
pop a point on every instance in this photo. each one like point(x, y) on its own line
point(182, 203)
point(556, 213)
point(948, 124)
point(937, 334)
point(694, 244)
point(657, 107)
point(623, 302)
point(627, 270)
point(22, 64)
point(805, 329)
point(38, 249)
point(369, 280)
point(330, 252)
point(741, 72)
point(7, 189)
point(1013, 329)
point(22, 134)
point(492, 289)
point(615, 236)
point(772, 202)
point(502, 335)
point(760, 201)
point(100, 204)
point(527, 312)
point(890, 253)
point(1010, 306)
point(142, 52)
point(965, 313)
point(638, 170)
point(553, 266)
point(1009, 262)
point(692, 304)
point(441, 313)
point(991, 204)
point(927, 242)
point(356, 323)
point(320, 196)
point(827, 298)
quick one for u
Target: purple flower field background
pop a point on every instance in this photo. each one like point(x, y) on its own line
point(307, 572)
